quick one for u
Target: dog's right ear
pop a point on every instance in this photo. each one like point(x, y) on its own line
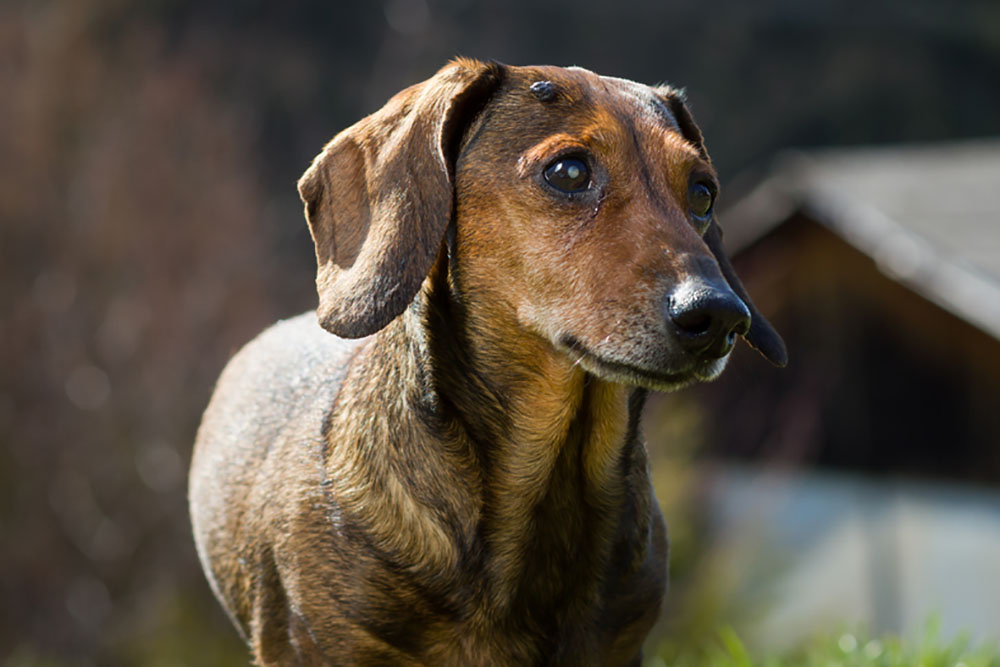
point(762, 335)
point(379, 197)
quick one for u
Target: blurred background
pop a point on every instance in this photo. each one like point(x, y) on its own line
point(149, 226)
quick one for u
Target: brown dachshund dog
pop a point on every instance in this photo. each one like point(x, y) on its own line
point(446, 469)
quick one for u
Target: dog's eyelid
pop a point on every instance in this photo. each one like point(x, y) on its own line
point(706, 178)
point(553, 148)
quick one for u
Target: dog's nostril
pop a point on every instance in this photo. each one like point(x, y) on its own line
point(741, 328)
point(694, 322)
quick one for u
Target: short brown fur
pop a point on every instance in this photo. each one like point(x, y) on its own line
point(465, 484)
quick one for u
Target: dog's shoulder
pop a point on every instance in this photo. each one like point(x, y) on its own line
point(292, 355)
point(279, 374)
point(267, 411)
point(277, 389)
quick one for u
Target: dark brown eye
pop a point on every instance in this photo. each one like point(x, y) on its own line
point(700, 199)
point(568, 175)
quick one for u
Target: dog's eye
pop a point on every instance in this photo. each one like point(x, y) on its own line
point(700, 200)
point(568, 175)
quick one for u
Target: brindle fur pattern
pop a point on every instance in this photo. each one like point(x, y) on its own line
point(457, 476)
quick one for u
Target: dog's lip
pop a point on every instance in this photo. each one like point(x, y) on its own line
point(575, 346)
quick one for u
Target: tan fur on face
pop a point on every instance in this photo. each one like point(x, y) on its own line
point(544, 250)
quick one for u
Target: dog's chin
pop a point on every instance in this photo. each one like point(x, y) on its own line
point(692, 370)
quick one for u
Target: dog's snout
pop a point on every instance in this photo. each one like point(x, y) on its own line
point(707, 318)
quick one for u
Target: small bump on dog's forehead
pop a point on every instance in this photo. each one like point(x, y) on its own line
point(544, 91)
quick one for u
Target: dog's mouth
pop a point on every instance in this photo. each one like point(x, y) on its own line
point(625, 373)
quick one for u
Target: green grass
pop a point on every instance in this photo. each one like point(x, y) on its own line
point(843, 649)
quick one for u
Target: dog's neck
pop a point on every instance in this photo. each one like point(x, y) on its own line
point(533, 464)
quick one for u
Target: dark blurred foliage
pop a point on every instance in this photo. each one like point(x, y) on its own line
point(149, 226)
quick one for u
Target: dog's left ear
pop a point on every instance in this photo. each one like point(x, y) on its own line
point(762, 336)
point(378, 199)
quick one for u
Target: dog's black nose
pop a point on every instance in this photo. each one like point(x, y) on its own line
point(707, 318)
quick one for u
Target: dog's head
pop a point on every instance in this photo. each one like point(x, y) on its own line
point(583, 212)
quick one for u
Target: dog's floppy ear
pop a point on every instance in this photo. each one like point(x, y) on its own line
point(379, 197)
point(762, 336)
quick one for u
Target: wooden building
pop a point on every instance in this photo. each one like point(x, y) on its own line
point(881, 268)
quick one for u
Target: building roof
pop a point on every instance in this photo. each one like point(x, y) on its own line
point(929, 215)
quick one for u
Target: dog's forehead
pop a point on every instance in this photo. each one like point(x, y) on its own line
point(579, 84)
